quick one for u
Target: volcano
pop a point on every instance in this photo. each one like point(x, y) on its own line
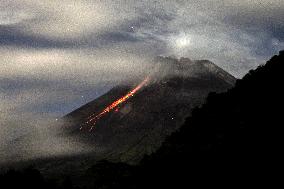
point(133, 119)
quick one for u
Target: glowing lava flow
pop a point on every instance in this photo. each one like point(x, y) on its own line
point(94, 118)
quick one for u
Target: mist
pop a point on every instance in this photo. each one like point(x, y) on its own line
point(39, 89)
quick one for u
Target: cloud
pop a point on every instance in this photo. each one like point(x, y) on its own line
point(66, 19)
point(219, 31)
point(99, 24)
point(63, 73)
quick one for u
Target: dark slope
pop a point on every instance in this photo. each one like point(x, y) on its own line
point(234, 140)
point(158, 109)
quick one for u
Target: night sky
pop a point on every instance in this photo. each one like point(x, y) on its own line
point(58, 55)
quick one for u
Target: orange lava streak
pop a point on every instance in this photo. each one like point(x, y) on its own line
point(93, 119)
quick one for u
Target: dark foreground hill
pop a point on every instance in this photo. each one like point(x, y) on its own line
point(234, 140)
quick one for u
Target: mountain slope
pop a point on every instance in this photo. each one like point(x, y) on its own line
point(233, 140)
point(139, 125)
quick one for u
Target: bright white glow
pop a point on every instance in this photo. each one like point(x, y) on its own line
point(182, 42)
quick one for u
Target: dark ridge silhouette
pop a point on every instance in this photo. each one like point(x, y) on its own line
point(233, 140)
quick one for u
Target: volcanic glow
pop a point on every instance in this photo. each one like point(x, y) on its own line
point(95, 117)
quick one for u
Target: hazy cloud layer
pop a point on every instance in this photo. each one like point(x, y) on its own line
point(57, 55)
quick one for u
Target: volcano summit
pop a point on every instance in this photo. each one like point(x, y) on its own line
point(132, 120)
